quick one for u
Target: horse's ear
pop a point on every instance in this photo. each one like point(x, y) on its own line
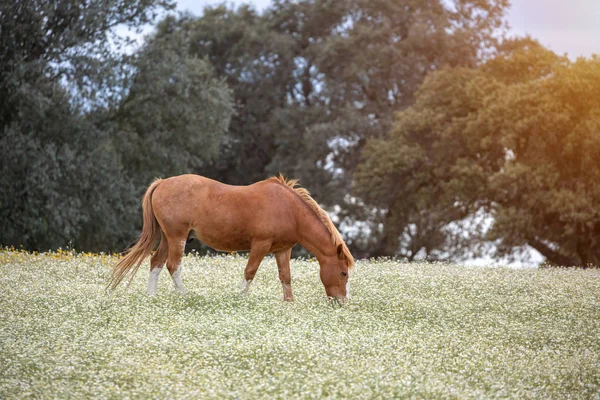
point(340, 252)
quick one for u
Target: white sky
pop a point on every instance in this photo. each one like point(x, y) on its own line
point(565, 26)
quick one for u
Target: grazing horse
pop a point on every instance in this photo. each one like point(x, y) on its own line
point(270, 216)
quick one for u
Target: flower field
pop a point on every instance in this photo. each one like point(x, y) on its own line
point(409, 331)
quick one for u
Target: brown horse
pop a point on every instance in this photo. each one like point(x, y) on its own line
point(270, 216)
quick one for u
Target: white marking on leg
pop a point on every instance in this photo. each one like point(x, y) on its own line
point(153, 281)
point(245, 287)
point(177, 280)
point(177, 274)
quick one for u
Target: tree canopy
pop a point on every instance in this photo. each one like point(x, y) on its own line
point(514, 138)
point(67, 113)
point(58, 171)
point(176, 111)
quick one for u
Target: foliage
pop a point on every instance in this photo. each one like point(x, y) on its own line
point(70, 121)
point(514, 138)
point(60, 180)
point(59, 173)
point(548, 187)
point(175, 112)
point(409, 331)
point(300, 88)
point(65, 41)
point(313, 79)
point(232, 42)
point(377, 59)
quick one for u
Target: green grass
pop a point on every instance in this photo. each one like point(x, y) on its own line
point(409, 331)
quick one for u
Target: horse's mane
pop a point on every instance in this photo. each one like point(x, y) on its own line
point(336, 238)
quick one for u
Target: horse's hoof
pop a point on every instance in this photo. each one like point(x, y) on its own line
point(245, 287)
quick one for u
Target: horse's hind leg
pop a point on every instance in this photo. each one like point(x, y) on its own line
point(176, 248)
point(283, 264)
point(156, 265)
point(258, 251)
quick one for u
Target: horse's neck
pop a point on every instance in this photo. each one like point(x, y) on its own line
point(314, 235)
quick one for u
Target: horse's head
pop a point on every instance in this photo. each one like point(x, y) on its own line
point(334, 275)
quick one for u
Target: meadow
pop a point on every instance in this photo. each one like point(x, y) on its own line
point(416, 330)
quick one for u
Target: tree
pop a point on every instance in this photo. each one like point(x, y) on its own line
point(312, 81)
point(65, 42)
point(62, 183)
point(546, 196)
point(60, 175)
point(365, 62)
point(514, 138)
point(175, 113)
point(240, 49)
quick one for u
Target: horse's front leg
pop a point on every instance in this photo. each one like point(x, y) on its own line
point(258, 251)
point(283, 264)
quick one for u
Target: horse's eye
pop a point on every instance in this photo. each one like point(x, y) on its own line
point(344, 273)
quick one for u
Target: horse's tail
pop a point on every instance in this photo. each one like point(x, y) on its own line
point(136, 254)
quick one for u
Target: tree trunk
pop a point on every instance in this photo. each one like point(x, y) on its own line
point(552, 256)
point(388, 244)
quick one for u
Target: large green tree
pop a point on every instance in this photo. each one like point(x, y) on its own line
point(515, 139)
point(364, 64)
point(60, 176)
point(257, 64)
point(176, 111)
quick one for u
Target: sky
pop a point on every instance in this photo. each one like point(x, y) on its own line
point(565, 26)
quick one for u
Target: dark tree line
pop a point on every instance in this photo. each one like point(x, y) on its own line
point(413, 120)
